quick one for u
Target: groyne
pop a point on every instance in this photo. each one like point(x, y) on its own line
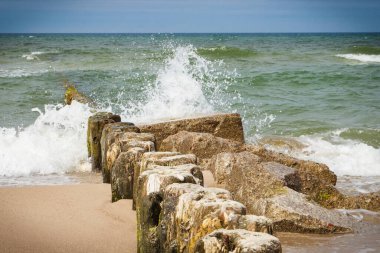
point(261, 192)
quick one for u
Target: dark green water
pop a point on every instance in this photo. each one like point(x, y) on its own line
point(321, 90)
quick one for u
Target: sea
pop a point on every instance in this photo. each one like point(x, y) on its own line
point(313, 96)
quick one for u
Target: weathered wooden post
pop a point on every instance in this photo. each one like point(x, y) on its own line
point(96, 124)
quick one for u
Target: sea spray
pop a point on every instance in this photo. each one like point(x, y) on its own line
point(54, 143)
point(187, 85)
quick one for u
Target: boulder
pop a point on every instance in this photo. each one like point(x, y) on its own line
point(190, 211)
point(110, 133)
point(234, 170)
point(203, 145)
point(292, 212)
point(256, 224)
point(318, 182)
point(287, 175)
point(151, 159)
point(228, 126)
point(330, 197)
point(197, 213)
point(264, 188)
point(150, 189)
point(122, 173)
point(239, 240)
point(312, 175)
point(96, 124)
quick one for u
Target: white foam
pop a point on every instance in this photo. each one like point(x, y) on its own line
point(179, 89)
point(343, 156)
point(54, 143)
point(32, 55)
point(10, 73)
point(361, 57)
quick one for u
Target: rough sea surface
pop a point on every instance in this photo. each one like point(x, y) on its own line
point(314, 96)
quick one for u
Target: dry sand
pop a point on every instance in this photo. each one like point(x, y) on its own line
point(70, 218)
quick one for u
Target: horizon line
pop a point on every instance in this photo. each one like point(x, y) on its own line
point(188, 32)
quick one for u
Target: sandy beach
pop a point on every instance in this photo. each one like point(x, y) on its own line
point(69, 218)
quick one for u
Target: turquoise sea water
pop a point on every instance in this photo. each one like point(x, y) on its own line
point(315, 96)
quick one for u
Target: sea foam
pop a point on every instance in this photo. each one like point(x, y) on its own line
point(15, 73)
point(361, 57)
point(54, 143)
point(343, 156)
point(32, 55)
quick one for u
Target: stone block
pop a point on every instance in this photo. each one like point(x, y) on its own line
point(239, 240)
point(228, 126)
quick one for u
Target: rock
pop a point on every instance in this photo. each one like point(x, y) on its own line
point(122, 173)
point(110, 133)
point(128, 140)
point(239, 170)
point(228, 126)
point(239, 240)
point(72, 93)
point(190, 211)
point(312, 175)
point(203, 145)
point(96, 124)
point(142, 140)
point(150, 188)
point(256, 224)
point(152, 159)
point(318, 182)
point(330, 197)
point(287, 175)
point(124, 156)
point(292, 212)
point(263, 188)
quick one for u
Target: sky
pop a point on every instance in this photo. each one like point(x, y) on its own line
point(176, 16)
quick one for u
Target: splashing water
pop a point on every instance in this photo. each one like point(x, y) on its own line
point(343, 156)
point(55, 143)
point(187, 85)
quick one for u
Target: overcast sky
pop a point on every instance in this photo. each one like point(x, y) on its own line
point(189, 16)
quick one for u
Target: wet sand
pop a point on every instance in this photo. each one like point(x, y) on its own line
point(81, 218)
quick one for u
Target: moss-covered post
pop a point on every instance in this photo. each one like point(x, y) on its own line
point(96, 124)
point(72, 93)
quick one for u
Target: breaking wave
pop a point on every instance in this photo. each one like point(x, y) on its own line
point(54, 143)
point(361, 57)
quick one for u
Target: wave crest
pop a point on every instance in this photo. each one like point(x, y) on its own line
point(361, 57)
